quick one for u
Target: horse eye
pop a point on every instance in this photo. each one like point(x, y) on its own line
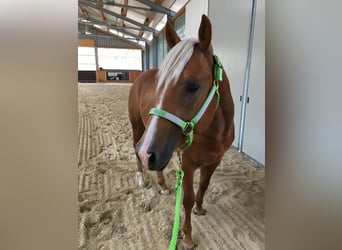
point(193, 87)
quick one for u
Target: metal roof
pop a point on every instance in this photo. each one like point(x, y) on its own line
point(133, 21)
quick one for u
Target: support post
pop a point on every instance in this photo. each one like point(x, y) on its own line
point(247, 73)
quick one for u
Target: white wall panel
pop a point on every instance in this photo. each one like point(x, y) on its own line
point(193, 14)
point(230, 21)
point(254, 134)
point(231, 26)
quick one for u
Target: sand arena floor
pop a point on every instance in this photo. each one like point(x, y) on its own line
point(114, 213)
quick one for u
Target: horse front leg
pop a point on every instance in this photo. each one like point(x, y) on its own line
point(138, 130)
point(206, 173)
point(140, 176)
point(188, 203)
point(161, 181)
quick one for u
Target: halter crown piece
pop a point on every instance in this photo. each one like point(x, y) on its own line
point(188, 127)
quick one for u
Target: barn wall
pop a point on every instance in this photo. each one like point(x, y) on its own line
point(254, 132)
point(231, 29)
point(233, 34)
point(193, 14)
point(230, 42)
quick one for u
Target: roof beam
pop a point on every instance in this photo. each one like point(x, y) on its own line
point(84, 11)
point(150, 17)
point(133, 44)
point(163, 11)
point(146, 28)
point(111, 25)
point(124, 8)
point(122, 30)
point(104, 32)
point(124, 13)
point(98, 3)
point(132, 36)
point(160, 8)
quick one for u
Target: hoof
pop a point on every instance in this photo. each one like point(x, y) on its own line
point(164, 192)
point(200, 212)
point(188, 243)
point(142, 184)
point(140, 179)
point(189, 248)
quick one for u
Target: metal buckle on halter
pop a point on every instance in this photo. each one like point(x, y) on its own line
point(189, 126)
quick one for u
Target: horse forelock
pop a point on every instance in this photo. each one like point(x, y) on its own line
point(175, 61)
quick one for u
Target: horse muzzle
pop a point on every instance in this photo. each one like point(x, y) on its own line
point(156, 154)
point(153, 158)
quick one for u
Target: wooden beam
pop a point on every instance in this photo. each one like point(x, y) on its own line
point(84, 11)
point(124, 9)
point(123, 13)
point(149, 18)
point(104, 19)
point(179, 13)
point(85, 42)
point(156, 5)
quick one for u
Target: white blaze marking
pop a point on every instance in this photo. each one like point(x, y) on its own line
point(149, 136)
point(143, 155)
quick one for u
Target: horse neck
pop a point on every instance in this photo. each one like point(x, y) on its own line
point(226, 100)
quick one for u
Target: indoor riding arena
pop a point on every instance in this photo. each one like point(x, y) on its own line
point(118, 41)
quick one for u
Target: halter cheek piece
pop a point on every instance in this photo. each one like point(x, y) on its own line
point(188, 127)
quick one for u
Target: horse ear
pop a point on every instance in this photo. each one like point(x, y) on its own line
point(171, 36)
point(204, 33)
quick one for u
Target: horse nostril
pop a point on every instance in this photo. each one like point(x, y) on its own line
point(152, 160)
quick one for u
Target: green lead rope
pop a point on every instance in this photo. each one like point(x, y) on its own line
point(175, 229)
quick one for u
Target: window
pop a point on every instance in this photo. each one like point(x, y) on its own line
point(86, 58)
point(119, 59)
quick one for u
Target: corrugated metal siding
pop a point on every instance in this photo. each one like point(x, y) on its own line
point(105, 41)
point(153, 57)
point(179, 26)
point(162, 48)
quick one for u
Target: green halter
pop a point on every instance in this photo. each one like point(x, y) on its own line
point(188, 127)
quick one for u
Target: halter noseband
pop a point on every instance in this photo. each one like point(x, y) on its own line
point(188, 127)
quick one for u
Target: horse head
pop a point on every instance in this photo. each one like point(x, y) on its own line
point(182, 85)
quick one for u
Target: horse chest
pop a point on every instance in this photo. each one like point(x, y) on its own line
point(209, 147)
point(206, 150)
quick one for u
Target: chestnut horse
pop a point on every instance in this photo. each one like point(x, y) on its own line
point(179, 89)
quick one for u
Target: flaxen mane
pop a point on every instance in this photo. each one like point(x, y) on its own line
point(175, 61)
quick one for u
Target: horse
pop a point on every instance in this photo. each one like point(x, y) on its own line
point(160, 100)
